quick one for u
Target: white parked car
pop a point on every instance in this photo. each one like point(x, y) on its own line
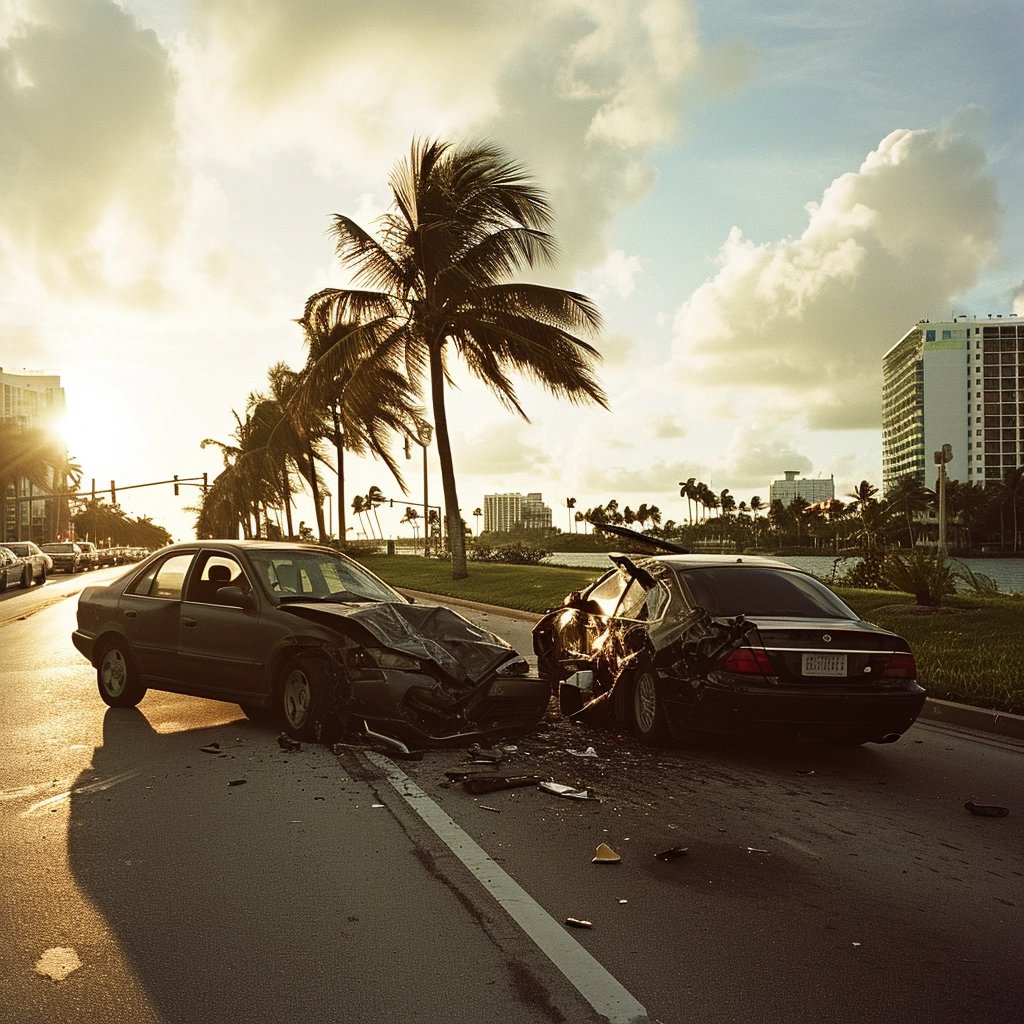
point(38, 559)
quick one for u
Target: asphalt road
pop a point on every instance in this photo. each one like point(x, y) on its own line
point(145, 879)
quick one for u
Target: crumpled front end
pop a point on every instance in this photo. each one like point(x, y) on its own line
point(425, 676)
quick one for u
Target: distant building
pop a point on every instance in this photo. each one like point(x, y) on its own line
point(810, 490)
point(27, 400)
point(959, 383)
point(504, 513)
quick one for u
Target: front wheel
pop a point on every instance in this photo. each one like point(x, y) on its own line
point(304, 692)
point(116, 678)
point(26, 577)
point(641, 707)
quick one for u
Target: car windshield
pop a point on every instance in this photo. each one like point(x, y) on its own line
point(756, 591)
point(59, 548)
point(319, 576)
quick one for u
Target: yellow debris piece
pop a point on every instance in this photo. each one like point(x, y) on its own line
point(605, 855)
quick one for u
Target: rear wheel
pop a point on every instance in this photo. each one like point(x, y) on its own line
point(42, 575)
point(304, 691)
point(116, 678)
point(26, 577)
point(639, 705)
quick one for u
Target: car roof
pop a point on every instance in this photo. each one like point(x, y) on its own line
point(722, 561)
point(233, 544)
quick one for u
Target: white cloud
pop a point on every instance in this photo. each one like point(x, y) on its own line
point(805, 321)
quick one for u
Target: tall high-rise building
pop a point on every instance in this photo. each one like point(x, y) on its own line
point(958, 383)
point(810, 489)
point(506, 512)
point(27, 400)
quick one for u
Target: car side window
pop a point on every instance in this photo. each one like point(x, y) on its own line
point(165, 579)
point(213, 571)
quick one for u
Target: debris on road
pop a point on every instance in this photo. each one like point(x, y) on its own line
point(672, 853)
point(237, 782)
point(589, 752)
point(285, 742)
point(570, 792)
point(987, 810)
point(211, 748)
point(490, 755)
point(755, 849)
point(604, 854)
point(577, 922)
point(490, 784)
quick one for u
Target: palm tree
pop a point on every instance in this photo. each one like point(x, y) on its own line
point(688, 490)
point(477, 513)
point(359, 389)
point(1010, 490)
point(570, 504)
point(911, 497)
point(437, 286)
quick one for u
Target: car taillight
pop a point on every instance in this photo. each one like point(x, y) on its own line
point(901, 666)
point(748, 661)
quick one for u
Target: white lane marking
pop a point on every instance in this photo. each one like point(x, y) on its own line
point(604, 993)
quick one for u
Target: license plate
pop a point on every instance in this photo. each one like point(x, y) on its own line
point(824, 665)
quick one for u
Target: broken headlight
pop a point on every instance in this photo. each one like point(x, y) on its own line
point(377, 657)
point(515, 667)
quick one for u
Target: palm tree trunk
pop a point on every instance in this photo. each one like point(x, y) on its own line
point(317, 504)
point(339, 447)
point(456, 538)
point(287, 491)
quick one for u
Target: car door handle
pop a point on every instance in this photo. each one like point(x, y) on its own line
point(190, 622)
point(131, 615)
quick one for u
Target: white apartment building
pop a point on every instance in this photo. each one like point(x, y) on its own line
point(506, 512)
point(811, 490)
point(958, 382)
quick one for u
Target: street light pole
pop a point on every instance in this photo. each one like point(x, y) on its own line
point(941, 458)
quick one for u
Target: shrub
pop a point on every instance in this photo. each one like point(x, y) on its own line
point(928, 577)
point(509, 554)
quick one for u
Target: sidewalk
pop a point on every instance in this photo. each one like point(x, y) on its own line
point(942, 712)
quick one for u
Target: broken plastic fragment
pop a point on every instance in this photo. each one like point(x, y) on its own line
point(285, 742)
point(987, 810)
point(489, 784)
point(604, 854)
point(570, 792)
point(211, 748)
point(578, 922)
point(755, 849)
point(237, 782)
point(672, 853)
point(589, 752)
point(492, 755)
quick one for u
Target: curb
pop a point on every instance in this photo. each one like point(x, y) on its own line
point(963, 716)
point(942, 712)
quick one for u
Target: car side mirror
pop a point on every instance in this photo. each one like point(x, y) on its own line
point(235, 597)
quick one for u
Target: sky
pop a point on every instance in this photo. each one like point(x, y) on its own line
point(761, 198)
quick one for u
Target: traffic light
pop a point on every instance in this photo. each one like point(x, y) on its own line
point(176, 484)
point(113, 493)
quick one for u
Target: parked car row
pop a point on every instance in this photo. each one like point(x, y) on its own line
point(23, 562)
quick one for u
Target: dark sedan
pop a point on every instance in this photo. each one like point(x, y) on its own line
point(309, 634)
point(732, 644)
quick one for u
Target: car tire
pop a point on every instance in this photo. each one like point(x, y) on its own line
point(42, 575)
point(26, 577)
point(639, 705)
point(117, 679)
point(303, 693)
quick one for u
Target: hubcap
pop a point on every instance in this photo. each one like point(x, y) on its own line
point(645, 702)
point(297, 698)
point(115, 673)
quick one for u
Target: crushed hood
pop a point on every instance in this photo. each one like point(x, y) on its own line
point(429, 632)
